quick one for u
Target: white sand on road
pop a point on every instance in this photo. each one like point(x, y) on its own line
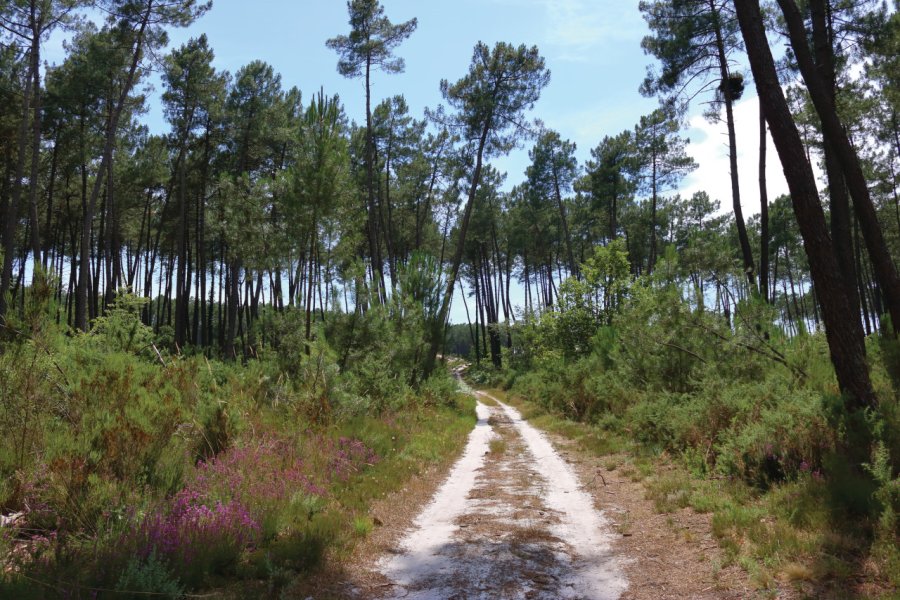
point(513, 524)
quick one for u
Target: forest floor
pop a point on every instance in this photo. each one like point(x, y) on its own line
point(527, 514)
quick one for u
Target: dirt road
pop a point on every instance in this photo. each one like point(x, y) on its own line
point(511, 521)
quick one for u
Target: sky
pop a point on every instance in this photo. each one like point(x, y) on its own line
point(592, 48)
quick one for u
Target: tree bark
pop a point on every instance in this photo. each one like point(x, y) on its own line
point(845, 336)
point(438, 326)
point(12, 209)
point(373, 233)
point(81, 321)
point(37, 29)
point(763, 209)
point(746, 251)
point(233, 300)
point(836, 136)
point(837, 188)
point(563, 219)
point(182, 294)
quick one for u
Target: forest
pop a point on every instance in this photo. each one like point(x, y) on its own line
point(220, 344)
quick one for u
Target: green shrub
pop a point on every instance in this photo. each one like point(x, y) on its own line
point(362, 526)
point(148, 577)
point(215, 432)
point(439, 389)
point(784, 438)
point(485, 375)
point(889, 488)
point(651, 420)
point(120, 329)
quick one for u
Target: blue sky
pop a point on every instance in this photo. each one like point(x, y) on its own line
point(592, 48)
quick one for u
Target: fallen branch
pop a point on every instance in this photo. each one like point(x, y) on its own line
point(158, 355)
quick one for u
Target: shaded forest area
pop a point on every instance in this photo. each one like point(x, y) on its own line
point(266, 290)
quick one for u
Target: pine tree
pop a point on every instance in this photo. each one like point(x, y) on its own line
point(370, 45)
point(502, 83)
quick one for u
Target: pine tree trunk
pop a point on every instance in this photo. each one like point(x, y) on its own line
point(764, 236)
point(438, 326)
point(373, 233)
point(12, 208)
point(37, 28)
point(743, 238)
point(573, 266)
point(837, 188)
point(81, 303)
point(836, 136)
point(233, 300)
point(181, 294)
point(845, 337)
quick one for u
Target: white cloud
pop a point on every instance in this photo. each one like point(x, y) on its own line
point(571, 25)
point(709, 147)
point(574, 29)
point(588, 125)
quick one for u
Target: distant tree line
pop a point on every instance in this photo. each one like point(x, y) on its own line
point(260, 199)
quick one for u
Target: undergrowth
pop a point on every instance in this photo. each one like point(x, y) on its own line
point(790, 533)
point(729, 418)
point(153, 473)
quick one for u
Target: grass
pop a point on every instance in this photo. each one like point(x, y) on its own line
point(346, 466)
point(497, 445)
point(591, 439)
point(669, 492)
point(486, 400)
point(624, 525)
point(412, 442)
point(409, 442)
point(363, 526)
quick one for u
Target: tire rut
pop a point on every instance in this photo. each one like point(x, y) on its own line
point(511, 521)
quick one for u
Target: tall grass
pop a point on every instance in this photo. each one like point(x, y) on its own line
point(159, 473)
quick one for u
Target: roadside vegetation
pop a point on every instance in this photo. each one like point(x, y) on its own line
point(136, 471)
point(220, 342)
point(732, 418)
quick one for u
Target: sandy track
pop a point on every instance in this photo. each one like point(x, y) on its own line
point(510, 521)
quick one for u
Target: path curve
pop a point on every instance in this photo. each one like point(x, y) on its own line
point(511, 521)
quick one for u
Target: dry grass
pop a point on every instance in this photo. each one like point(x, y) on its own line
point(797, 572)
point(486, 400)
point(498, 445)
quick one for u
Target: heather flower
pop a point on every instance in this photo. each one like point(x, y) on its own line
point(191, 524)
point(233, 502)
point(196, 536)
point(262, 476)
point(350, 456)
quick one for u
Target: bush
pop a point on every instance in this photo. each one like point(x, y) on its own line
point(152, 473)
point(783, 438)
point(120, 329)
point(196, 537)
point(439, 390)
point(148, 577)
